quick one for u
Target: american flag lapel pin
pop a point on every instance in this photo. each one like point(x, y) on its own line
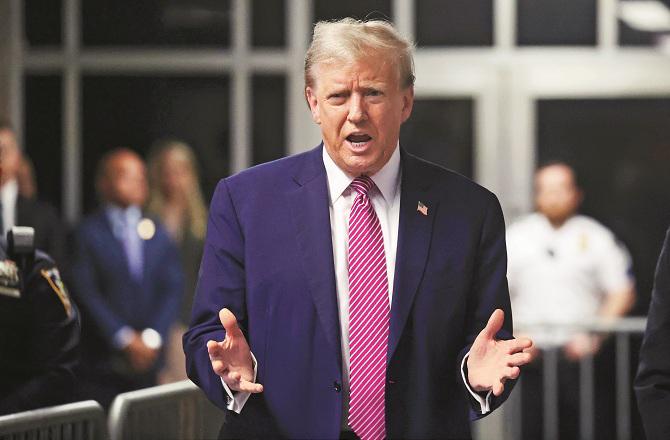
point(423, 209)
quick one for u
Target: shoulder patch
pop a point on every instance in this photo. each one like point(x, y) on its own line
point(9, 279)
point(53, 278)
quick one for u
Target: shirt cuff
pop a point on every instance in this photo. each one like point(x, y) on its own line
point(123, 337)
point(484, 402)
point(236, 401)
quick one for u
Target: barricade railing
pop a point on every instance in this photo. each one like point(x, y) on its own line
point(174, 411)
point(74, 421)
point(621, 330)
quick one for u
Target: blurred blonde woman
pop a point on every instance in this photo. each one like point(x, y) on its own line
point(177, 200)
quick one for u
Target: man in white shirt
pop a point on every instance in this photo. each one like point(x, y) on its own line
point(564, 269)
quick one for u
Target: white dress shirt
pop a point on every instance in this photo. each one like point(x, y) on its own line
point(385, 198)
point(8, 195)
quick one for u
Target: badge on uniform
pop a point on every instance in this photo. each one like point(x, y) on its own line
point(9, 279)
point(53, 278)
point(583, 243)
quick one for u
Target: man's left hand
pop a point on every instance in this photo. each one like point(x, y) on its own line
point(491, 361)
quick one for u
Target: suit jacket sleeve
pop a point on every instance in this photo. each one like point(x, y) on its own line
point(489, 292)
point(172, 287)
point(88, 293)
point(652, 384)
point(221, 283)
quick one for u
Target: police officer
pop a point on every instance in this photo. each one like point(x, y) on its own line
point(39, 328)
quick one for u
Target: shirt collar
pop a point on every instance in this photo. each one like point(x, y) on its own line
point(10, 191)
point(129, 215)
point(385, 179)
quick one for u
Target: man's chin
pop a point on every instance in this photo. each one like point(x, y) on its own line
point(359, 167)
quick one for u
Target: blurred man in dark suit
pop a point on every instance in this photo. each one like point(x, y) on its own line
point(17, 209)
point(129, 283)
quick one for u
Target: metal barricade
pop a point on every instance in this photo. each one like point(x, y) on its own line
point(174, 411)
point(621, 330)
point(74, 421)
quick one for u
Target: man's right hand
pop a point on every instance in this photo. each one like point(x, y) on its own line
point(231, 358)
point(141, 357)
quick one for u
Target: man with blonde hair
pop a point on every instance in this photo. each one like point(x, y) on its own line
point(354, 291)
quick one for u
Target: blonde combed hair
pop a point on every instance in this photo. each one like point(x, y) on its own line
point(197, 211)
point(350, 40)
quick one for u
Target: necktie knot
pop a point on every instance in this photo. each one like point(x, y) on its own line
point(362, 185)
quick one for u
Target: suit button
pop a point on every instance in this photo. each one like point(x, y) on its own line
point(337, 387)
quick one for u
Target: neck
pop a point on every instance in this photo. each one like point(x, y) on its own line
point(556, 223)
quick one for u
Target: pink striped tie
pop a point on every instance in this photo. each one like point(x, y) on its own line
point(369, 312)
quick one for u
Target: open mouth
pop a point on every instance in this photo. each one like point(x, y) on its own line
point(358, 140)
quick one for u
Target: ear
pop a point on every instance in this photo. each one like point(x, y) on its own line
point(407, 102)
point(313, 102)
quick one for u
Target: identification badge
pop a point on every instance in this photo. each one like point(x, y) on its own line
point(9, 279)
point(53, 278)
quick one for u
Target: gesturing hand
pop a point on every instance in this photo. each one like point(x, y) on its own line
point(231, 358)
point(492, 362)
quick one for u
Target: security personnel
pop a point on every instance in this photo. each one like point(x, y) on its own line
point(39, 328)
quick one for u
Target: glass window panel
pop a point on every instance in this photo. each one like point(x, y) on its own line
point(632, 37)
point(137, 111)
point(361, 9)
point(553, 23)
point(269, 122)
point(42, 20)
point(454, 23)
point(156, 23)
point(441, 131)
point(268, 23)
point(621, 150)
point(43, 135)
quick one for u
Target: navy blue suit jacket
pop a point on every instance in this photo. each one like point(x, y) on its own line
point(111, 298)
point(268, 258)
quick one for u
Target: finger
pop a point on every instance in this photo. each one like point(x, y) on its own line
point(229, 322)
point(494, 324)
point(220, 368)
point(498, 389)
point(519, 359)
point(250, 387)
point(214, 349)
point(235, 382)
point(511, 373)
point(517, 345)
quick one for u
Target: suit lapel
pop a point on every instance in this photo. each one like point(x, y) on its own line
point(414, 237)
point(310, 211)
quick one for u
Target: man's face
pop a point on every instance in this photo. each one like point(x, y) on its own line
point(10, 156)
point(360, 107)
point(556, 193)
point(125, 181)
